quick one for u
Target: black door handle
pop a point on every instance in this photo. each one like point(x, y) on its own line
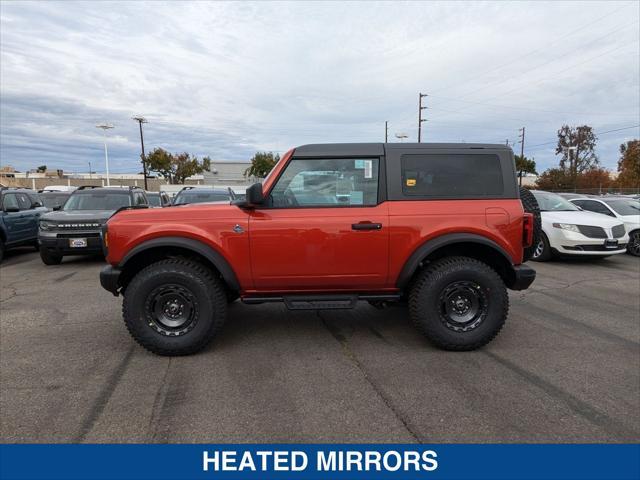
point(366, 226)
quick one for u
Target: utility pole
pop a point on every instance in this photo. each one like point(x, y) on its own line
point(521, 142)
point(89, 170)
point(386, 130)
point(420, 119)
point(140, 119)
point(105, 127)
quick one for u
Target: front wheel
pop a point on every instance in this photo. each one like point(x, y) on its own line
point(50, 258)
point(174, 307)
point(459, 303)
point(633, 247)
point(542, 251)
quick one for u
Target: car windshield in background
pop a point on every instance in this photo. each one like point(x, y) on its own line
point(550, 202)
point(624, 206)
point(51, 200)
point(200, 196)
point(98, 201)
point(154, 199)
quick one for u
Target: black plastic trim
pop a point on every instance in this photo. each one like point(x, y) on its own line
point(430, 246)
point(109, 279)
point(524, 277)
point(196, 246)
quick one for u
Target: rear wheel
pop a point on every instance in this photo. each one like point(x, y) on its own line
point(459, 303)
point(530, 205)
point(50, 258)
point(174, 307)
point(633, 247)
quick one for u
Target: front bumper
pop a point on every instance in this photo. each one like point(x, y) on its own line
point(109, 279)
point(59, 243)
point(566, 242)
point(523, 277)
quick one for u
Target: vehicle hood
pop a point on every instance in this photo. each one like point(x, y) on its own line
point(580, 218)
point(78, 215)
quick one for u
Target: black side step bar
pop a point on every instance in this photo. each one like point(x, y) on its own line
point(321, 302)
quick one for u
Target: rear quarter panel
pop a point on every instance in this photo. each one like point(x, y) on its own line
point(413, 223)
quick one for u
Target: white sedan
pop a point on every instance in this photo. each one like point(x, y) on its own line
point(625, 209)
point(568, 230)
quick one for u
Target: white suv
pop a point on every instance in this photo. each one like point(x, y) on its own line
point(568, 230)
point(625, 209)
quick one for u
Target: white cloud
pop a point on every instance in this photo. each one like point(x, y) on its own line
point(226, 79)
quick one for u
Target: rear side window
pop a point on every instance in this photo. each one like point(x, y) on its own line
point(453, 175)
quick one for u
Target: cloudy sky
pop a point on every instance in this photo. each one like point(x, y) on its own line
point(227, 79)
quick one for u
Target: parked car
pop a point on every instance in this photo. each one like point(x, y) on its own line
point(158, 199)
point(568, 230)
point(58, 188)
point(201, 195)
point(625, 209)
point(20, 210)
point(442, 227)
point(54, 200)
point(75, 229)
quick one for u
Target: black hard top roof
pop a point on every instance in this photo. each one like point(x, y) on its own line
point(376, 149)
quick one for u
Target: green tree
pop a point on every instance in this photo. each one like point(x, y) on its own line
point(629, 165)
point(525, 165)
point(176, 167)
point(577, 147)
point(261, 164)
point(41, 168)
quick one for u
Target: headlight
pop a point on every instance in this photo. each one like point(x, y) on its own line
point(567, 226)
point(44, 225)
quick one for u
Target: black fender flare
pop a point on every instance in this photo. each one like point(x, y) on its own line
point(196, 246)
point(430, 246)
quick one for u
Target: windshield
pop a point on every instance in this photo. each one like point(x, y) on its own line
point(624, 206)
point(550, 202)
point(154, 199)
point(98, 201)
point(199, 196)
point(51, 200)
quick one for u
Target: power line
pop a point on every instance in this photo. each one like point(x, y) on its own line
point(596, 133)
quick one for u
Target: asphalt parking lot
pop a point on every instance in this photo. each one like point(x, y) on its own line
point(566, 368)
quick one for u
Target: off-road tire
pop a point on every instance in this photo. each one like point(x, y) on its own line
point(49, 258)
point(547, 253)
point(530, 205)
point(426, 305)
point(209, 306)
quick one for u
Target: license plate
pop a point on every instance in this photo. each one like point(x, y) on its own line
point(611, 244)
point(77, 242)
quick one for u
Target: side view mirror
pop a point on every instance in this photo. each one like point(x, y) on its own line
point(254, 196)
point(57, 207)
point(11, 209)
point(36, 205)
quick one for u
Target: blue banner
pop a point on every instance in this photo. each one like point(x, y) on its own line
point(312, 461)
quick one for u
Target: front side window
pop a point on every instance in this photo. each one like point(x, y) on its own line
point(335, 182)
point(452, 175)
point(10, 201)
point(98, 201)
point(594, 206)
point(24, 202)
point(625, 207)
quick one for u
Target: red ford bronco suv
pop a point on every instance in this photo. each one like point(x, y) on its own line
point(441, 227)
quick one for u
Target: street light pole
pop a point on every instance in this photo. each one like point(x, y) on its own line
point(140, 119)
point(105, 127)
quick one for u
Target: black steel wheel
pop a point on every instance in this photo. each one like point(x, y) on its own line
point(172, 310)
point(463, 306)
